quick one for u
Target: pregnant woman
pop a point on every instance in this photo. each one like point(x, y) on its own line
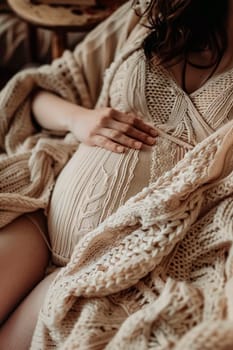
point(164, 84)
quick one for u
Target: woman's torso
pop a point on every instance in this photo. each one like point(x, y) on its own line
point(95, 182)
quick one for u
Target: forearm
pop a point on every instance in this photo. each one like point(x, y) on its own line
point(53, 112)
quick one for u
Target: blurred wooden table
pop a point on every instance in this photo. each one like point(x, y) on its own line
point(60, 19)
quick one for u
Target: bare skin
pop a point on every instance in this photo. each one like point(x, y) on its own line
point(195, 78)
point(29, 257)
point(17, 332)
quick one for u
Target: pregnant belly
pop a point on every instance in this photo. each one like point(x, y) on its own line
point(93, 184)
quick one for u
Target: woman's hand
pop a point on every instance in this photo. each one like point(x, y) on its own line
point(111, 129)
point(104, 127)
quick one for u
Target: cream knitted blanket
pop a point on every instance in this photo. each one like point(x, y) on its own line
point(158, 273)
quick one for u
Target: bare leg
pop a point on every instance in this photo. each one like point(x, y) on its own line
point(17, 331)
point(23, 259)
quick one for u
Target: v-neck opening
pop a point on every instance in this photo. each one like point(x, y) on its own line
point(201, 88)
point(190, 98)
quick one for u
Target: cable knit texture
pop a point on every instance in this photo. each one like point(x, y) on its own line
point(157, 273)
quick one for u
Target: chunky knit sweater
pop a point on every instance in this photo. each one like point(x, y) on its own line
point(156, 274)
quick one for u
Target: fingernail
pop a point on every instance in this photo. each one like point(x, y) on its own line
point(138, 144)
point(153, 132)
point(120, 149)
point(151, 140)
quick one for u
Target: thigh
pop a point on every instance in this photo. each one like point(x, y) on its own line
point(17, 331)
point(23, 259)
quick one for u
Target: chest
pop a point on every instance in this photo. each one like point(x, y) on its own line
point(151, 91)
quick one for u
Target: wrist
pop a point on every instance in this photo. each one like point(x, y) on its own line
point(75, 114)
point(70, 119)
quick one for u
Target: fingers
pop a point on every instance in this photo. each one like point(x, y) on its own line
point(136, 122)
point(116, 131)
point(104, 142)
point(121, 138)
point(132, 132)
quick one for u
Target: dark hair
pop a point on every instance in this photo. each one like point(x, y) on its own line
point(179, 27)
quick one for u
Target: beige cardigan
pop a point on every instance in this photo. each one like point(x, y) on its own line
point(158, 273)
